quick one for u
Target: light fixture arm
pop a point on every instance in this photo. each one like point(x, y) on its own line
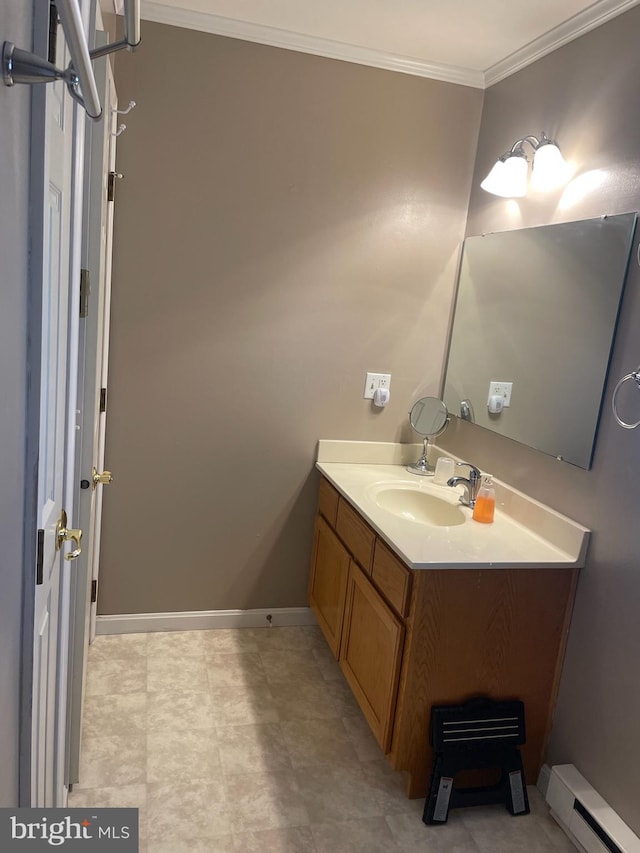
point(533, 141)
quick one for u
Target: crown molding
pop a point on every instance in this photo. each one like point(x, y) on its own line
point(596, 15)
point(274, 37)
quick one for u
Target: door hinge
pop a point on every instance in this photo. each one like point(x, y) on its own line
point(85, 290)
point(40, 558)
point(53, 33)
point(94, 591)
point(111, 185)
point(103, 400)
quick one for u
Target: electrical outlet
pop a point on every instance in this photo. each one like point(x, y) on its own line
point(500, 389)
point(376, 380)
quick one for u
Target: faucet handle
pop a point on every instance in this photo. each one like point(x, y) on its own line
point(474, 473)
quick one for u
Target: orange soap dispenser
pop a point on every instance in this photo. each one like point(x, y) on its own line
point(485, 501)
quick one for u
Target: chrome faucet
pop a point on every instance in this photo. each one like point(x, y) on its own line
point(471, 484)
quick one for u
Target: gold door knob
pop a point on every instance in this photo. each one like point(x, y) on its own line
point(68, 534)
point(105, 478)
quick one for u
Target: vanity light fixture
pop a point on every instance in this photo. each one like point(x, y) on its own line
point(508, 177)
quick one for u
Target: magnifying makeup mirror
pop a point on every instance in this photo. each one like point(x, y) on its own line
point(429, 418)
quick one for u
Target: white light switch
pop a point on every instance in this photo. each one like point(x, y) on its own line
point(500, 389)
point(376, 380)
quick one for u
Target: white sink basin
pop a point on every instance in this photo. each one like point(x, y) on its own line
point(408, 513)
point(419, 506)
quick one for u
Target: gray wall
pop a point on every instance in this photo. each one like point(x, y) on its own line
point(286, 223)
point(15, 25)
point(585, 94)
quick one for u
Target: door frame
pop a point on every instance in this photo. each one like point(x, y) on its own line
point(111, 120)
point(92, 373)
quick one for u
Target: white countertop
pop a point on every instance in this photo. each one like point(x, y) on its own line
point(524, 534)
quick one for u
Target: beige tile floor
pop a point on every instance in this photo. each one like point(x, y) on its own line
point(250, 740)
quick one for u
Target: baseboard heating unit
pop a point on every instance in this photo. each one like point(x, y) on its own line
point(588, 819)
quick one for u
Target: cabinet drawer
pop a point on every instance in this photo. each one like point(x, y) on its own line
point(392, 578)
point(328, 501)
point(356, 534)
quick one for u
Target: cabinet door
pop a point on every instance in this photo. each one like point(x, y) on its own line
point(328, 582)
point(371, 653)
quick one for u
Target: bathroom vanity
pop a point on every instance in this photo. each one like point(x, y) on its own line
point(423, 606)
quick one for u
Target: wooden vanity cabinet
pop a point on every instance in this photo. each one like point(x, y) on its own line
point(407, 640)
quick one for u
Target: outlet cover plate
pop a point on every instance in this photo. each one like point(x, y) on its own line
point(500, 389)
point(376, 380)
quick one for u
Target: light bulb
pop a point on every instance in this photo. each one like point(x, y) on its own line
point(508, 178)
point(550, 169)
point(493, 182)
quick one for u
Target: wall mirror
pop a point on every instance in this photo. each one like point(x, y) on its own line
point(536, 312)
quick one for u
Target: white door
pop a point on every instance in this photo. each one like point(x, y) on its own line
point(56, 132)
point(93, 351)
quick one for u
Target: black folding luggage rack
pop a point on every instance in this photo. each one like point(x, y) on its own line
point(481, 734)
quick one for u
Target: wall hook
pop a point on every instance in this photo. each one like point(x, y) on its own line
point(120, 130)
point(132, 104)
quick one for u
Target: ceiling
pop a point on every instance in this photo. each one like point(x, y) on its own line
point(464, 41)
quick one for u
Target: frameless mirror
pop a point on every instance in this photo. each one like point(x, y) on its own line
point(428, 417)
point(533, 328)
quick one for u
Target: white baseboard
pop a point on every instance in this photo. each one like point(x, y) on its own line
point(204, 620)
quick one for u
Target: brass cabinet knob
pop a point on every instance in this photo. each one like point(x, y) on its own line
point(68, 534)
point(105, 478)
